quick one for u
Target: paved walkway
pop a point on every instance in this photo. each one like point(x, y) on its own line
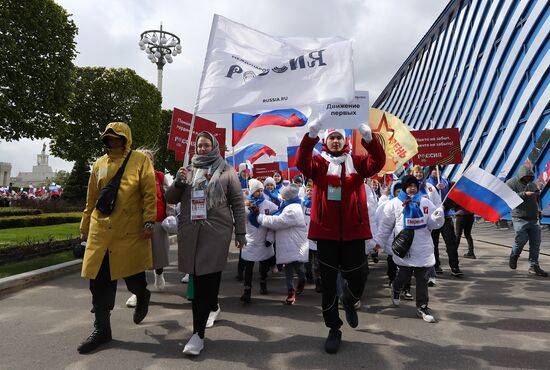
point(492, 318)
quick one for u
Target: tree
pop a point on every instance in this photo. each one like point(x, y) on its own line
point(165, 159)
point(76, 186)
point(102, 95)
point(38, 47)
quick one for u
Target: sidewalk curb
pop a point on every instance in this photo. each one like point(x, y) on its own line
point(20, 281)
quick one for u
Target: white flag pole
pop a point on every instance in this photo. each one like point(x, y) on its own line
point(206, 57)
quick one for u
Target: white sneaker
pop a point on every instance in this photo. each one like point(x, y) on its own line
point(185, 279)
point(357, 305)
point(132, 301)
point(431, 281)
point(425, 314)
point(194, 346)
point(160, 283)
point(213, 316)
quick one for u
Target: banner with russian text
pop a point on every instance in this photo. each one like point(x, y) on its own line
point(246, 70)
point(437, 147)
point(398, 142)
point(345, 115)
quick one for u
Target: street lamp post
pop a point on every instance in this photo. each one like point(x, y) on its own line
point(160, 47)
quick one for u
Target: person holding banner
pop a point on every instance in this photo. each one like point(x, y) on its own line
point(339, 219)
point(212, 206)
point(448, 229)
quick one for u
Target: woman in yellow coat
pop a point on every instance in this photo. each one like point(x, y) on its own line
point(118, 244)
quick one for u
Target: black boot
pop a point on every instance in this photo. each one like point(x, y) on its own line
point(245, 298)
point(318, 286)
point(263, 287)
point(332, 344)
point(142, 306)
point(101, 333)
point(349, 306)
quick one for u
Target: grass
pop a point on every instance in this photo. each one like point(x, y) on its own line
point(38, 234)
point(15, 268)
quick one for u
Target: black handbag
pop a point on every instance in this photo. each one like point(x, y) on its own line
point(402, 242)
point(107, 196)
point(79, 249)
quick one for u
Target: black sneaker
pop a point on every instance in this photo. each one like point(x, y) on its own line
point(470, 255)
point(374, 257)
point(245, 298)
point(438, 270)
point(513, 262)
point(332, 344)
point(455, 271)
point(263, 288)
point(536, 270)
point(142, 306)
point(96, 339)
point(425, 314)
point(351, 314)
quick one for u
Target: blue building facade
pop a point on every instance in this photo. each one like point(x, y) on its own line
point(483, 67)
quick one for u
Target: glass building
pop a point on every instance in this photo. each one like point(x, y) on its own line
point(483, 67)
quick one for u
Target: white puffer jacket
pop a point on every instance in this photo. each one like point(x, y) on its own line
point(290, 234)
point(307, 216)
point(255, 249)
point(421, 253)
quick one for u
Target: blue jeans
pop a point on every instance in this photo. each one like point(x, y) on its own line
point(292, 267)
point(527, 230)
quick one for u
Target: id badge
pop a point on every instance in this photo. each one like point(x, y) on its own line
point(198, 205)
point(334, 193)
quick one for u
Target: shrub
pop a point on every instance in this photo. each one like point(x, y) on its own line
point(39, 220)
point(12, 211)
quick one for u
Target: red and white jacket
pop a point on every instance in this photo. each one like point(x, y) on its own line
point(348, 218)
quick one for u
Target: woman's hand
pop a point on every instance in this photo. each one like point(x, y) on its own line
point(181, 175)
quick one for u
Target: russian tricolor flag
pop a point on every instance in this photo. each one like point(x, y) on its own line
point(251, 152)
point(243, 123)
point(484, 194)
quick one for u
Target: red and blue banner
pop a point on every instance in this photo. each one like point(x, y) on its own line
point(251, 152)
point(243, 123)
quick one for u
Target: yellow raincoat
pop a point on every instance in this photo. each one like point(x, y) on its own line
point(120, 233)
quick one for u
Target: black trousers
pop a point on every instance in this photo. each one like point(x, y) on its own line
point(403, 277)
point(464, 224)
point(349, 258)
point(249, 272)
point(448, 232)
point(392, 268)
point(104, 289)
point(205, 300)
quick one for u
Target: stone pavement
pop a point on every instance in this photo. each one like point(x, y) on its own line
point(491, 318)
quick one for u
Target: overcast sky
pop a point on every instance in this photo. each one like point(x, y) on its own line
point(384, 32)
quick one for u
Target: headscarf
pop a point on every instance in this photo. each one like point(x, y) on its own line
point(211, 163)
point(252, 216)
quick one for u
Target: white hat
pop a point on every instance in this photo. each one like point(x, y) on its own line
point(333, 130)
point(269, 180)
point(255, 185)
point(242, 167)
point(290, 192)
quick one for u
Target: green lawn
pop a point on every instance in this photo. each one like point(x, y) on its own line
point(38, 234)
point(15, 268)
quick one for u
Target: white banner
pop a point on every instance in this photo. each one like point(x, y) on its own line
point(345, 115)
point(249, 71)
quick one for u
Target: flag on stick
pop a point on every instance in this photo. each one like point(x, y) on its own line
point(481, 193)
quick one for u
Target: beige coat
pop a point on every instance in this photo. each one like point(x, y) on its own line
point(120, 233)
point(203, 246)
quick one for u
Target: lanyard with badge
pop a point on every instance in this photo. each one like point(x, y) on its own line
point(198, 200)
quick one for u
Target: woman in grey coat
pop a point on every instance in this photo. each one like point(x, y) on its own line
point(212, 205)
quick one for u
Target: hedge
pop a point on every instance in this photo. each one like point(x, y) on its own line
point(12, 211)
point(39, 220)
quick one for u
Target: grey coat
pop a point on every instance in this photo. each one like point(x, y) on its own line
point(203, 246)
point(529, 209)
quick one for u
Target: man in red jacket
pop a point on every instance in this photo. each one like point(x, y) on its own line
point(339, 217)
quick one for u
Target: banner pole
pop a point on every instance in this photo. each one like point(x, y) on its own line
point(206, 57)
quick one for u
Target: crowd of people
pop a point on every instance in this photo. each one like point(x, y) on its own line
point(321, 228)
